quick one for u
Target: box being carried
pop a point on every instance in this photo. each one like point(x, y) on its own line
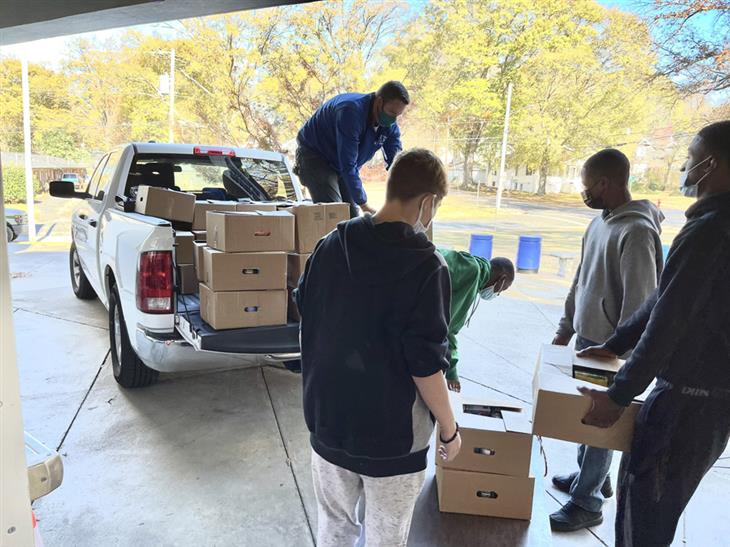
point(164, 203)
point(243, 271)
point(558, 408)
point(235, 232)
point(495, 438)
point(314, 221)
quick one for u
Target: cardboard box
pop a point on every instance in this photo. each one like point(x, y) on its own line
point(199, 246)
point(164, 203)
point(558, 408)
point(242, 309)
point(248, 207)
point(236, 232)
point(313, 222)
point(484, 494)
point(295, 268)
point(199, 235)
point(184, 248)
point(202, 208)
point(500, 442)
point(244, 271)
point(186, 279)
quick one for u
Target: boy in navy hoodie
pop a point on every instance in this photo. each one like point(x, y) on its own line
point(373, 373)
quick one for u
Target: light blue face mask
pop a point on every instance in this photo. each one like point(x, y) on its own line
point(691, 190)
point(488, 294)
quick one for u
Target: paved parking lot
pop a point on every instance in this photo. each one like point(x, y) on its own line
point(222, 458)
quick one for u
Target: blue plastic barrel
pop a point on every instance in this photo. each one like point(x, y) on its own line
point(528, 254)
point(481, 245)
point(665, 251)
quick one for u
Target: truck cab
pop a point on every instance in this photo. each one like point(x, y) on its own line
point(127, 259)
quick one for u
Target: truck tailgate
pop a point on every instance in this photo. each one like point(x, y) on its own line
point(255, 340)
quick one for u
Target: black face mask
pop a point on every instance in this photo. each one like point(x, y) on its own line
point(591, 201)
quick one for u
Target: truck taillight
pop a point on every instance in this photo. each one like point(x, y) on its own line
point(155, 283)
point(205, 151)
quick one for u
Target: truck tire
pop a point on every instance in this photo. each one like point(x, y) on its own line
point(79, 282)
point(129, 370)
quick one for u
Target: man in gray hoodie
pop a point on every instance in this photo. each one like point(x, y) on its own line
point(621, 261)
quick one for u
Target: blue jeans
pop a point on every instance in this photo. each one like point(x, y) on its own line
point(593, 463)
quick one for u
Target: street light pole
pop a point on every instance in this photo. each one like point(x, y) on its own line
point(505, 135)
point(171, 119)
point(29, 191)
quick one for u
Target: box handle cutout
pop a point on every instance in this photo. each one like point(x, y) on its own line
point(251, 309)
point(484, 451)
point(250, 271)
point(262, 233)
point(490, 494)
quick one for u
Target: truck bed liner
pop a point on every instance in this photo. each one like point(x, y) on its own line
point(254, 340)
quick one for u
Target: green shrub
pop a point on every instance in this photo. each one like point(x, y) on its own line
point(14, 184)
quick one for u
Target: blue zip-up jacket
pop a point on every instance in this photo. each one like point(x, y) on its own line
point(341, 132)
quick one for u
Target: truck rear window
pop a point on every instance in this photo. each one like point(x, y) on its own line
point(238, 177)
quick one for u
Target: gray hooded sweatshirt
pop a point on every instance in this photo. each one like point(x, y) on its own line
point(621, 261)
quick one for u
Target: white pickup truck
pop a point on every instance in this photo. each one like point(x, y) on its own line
point(127, 260)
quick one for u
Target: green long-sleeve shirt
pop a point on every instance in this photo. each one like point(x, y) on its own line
point(468, 274)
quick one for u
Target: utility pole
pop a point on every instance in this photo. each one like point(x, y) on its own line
point(171, 120)
point(29, 193)
point(505, 135)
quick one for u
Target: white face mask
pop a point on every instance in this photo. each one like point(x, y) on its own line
point(488, 294)
point(691, 190)
point(418, 227)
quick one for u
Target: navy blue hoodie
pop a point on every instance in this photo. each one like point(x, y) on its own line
point(374, 301)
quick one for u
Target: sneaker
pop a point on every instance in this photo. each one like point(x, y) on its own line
point(564, 482)
point(571, 518)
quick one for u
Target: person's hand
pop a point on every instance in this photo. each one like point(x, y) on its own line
point(367, 209)
point(454, 385)
point(448, 451)
point(601, 352)
point(603, 412)
point(561, 340)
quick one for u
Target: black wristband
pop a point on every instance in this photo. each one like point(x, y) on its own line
point(453, 437)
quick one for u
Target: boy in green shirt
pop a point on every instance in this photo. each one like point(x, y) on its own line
point(472, 277)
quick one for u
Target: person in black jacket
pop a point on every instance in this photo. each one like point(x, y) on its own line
point(681, 336)
point(373, 373)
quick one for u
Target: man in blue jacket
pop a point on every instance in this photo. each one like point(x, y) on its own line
point(342, 136)
point(681, 336)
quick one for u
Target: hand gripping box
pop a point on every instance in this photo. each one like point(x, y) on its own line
point(558, 407)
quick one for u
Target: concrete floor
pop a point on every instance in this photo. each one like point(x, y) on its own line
point(223, 458)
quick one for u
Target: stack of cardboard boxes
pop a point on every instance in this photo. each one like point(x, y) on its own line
point(491, 474)
point(313, 222)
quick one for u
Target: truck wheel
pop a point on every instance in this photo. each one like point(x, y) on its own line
point(79, 283)
point(9, 232)
point(129, 370)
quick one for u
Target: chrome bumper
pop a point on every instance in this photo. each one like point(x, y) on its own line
point(178, 355)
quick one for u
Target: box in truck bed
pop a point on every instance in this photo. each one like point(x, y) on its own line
point(239, 309)
point(243, 271)
point(164, 203)
point(250, 232)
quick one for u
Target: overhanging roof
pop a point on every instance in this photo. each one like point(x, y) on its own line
point(28, 20)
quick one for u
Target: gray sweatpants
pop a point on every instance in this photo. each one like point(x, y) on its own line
point(388, 509)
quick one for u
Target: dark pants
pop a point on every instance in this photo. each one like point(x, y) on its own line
point(678, 438)
point(324, 183)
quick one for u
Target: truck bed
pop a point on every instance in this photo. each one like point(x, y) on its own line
point(254, 340)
